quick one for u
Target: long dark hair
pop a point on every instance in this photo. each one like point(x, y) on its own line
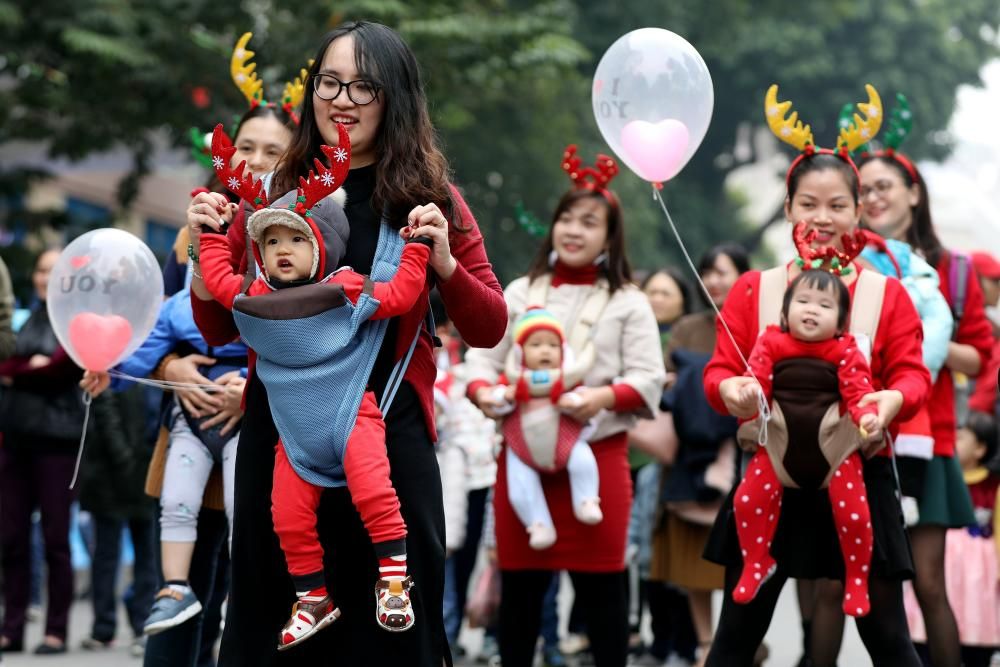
point(920, 234)
point(683, 286)
point(410, 168)
point(616, 267)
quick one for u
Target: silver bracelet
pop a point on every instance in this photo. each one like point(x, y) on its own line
point(194, 272)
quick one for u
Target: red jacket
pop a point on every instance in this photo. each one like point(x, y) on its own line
point(897, 359)
point(472, 296)
point(973, 329)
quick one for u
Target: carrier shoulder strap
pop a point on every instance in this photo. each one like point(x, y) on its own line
point(866, 308)
point(578, 333)
point(770, 293)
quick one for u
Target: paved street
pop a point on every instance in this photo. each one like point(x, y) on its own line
point(784, 640)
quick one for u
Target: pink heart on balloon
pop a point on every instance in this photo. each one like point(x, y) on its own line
point(80, 261)
point(99, 340)
point(655, 150)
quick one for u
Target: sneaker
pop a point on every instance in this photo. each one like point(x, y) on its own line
point(137, 648)
point(91, 644)
point(393, 610)
point(308, 618)
point(170, 609)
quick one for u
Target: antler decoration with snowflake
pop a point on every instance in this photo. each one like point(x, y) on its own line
point(325, 180)
point(828, 257)
point(242, 70)
point(900, 124)
point(862, 130)
point(245, 187)
point(790, 130)
point(594, 178)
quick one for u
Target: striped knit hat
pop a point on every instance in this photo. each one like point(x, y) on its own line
point(535, 319)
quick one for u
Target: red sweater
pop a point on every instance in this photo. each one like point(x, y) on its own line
point(852, 369)
point(973, 329)
point(897, 359)
point(472, 296)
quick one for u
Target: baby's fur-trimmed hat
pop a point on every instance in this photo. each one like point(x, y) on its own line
point(327, 217)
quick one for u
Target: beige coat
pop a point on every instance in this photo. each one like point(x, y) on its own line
point(626, 340)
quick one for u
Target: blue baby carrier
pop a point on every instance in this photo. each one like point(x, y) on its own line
point(315, 352)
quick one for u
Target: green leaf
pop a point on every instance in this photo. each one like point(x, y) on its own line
point(112, 49)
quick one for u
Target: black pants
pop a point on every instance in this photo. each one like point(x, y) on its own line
point(193, 642)
point(742, 626)
point(104, 573)
point(465, 557)
point(262, 592)
point(601, 600)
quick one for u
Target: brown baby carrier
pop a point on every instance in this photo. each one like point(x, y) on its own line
point(806, 437)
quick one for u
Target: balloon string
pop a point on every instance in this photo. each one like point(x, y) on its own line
point(83, 437)
point(164, 384)
point(764, 410)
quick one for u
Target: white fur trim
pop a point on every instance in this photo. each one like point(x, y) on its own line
point(915, 446)
point(339, 196)
point(267, 217)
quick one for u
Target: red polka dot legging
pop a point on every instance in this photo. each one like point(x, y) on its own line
point(757, 504)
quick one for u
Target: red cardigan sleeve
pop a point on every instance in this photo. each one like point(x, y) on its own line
point(473, 295)
point(897, 357)
point(214, 320)
point(740, 313)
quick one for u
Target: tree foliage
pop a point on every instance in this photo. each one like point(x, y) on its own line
point(508, 80)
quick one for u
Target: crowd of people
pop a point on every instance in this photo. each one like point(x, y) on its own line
point(356, 464)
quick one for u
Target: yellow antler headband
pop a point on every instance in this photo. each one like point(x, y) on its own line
point(793, 132)
point(245, 77)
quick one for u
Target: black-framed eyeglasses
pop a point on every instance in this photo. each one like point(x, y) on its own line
point(360, 91)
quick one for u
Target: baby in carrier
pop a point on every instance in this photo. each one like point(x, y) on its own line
point(813, 375)
point(540, 439)
point(314, 332)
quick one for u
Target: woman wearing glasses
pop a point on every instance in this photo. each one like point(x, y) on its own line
point(366, 78)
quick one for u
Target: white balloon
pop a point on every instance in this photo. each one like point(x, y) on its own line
point(104, 296)
point(653, 100)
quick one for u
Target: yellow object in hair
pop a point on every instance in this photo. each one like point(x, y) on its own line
point(295, 90)
point(242, 71)
point(790, 130)
point(863, 130)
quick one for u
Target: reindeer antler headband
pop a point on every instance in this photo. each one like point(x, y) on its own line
point(594, 178)
point(858, 131)
point(320, 183)
point(900, 125)
point(245, 77)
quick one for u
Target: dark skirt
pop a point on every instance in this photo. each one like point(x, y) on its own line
point(262, 593)
point(805, 544)
point(945, 501)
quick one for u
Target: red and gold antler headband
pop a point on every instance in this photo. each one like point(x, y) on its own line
point(325, 180)
point(245, 187)
point(594, 178)
point(245, 77)
point(792, 131)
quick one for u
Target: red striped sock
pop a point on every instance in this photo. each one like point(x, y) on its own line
point(314, 595)
point(392, 567)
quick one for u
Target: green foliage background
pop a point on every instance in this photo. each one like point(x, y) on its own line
point(508, 80)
